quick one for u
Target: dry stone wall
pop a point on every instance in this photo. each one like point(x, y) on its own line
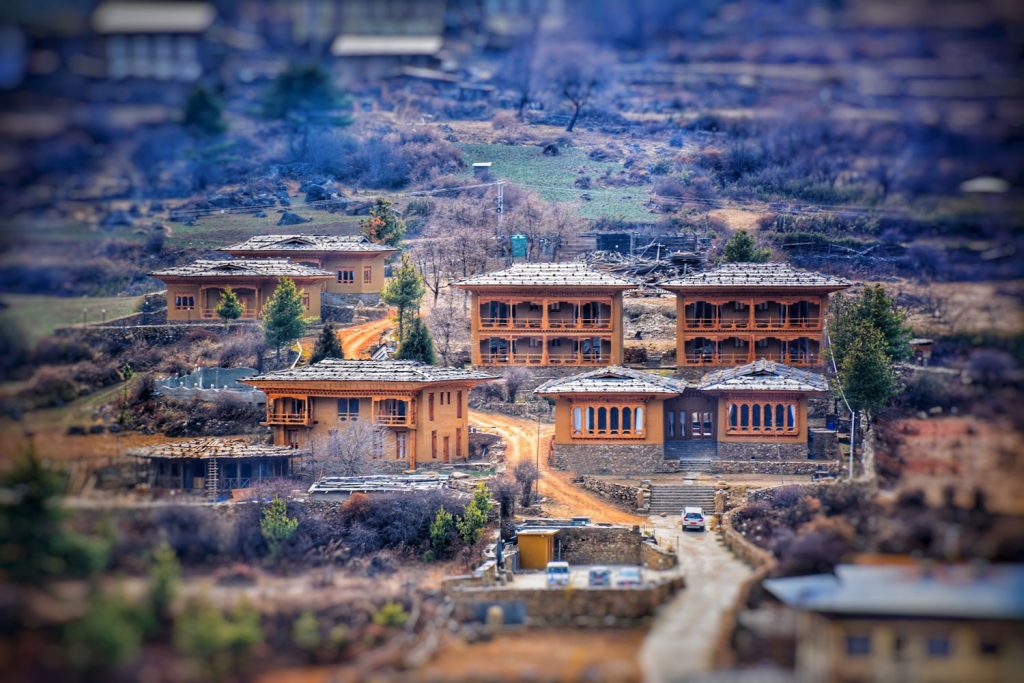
point(600, 545)
point(609, 458)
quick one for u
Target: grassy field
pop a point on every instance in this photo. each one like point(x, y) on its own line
point(38, 316)
point(552, 177)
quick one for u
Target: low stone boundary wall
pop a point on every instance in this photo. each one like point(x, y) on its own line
point(600, 545)
point(611, 460)
point(581, 607)
point(656, 557)
point(629, 497)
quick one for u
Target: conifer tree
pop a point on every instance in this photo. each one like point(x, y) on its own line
point(327, 345)
point(383, 226)
point(742, 248)
point(282, 316)
point(229, 307)
point(204, 112)
point(417, 345)
point(404, 290)
point(866, 374)
point(875, 309)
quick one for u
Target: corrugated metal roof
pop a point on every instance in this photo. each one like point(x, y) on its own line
point(243, 268)
point(335, 370)
point(299, 243)
point(613, 380)
point(763, 375)
point(756, 275)
point(945, 591)
point(551, 274)
point(215, 447)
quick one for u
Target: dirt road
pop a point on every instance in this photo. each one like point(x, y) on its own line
point(358, 341)
point(564, 499)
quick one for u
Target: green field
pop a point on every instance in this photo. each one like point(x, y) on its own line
point(552, 177)
point(37, 316)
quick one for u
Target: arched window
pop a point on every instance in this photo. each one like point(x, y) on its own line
point(671, 421)
point(744, 416)
point(602, 419)
point(613, 418)
point(590, 419)
point(756, 419)
point(639, 420)
point(577, 419)
point(627, 420)
point(791, 417)
point(768, 416)
point(780, 416)
point(732, 415)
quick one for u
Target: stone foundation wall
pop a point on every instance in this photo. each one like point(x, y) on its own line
point(330, 313)
point(610, 458)
point(352, 300)
point(762, 451)
point(805, 467)
point(599, 545)
point(655, 557)
point(622, 494)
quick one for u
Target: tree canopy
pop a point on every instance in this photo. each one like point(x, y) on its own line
point(866, 373)
point(874, 308)
point(417, 345)
point(742, 248)
point(327, 345)
point(204, 112)
point(282, 316)
point(404, 290)
point(303, 97)
point(383, 225)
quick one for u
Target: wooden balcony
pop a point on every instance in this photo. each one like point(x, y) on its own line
point(795, 360)
point(393, 420)
point(764, 324)
point(557, 325)
point(570, 359)
point(287, 419)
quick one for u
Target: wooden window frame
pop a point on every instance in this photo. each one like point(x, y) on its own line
point(430, 406)
point(184, 302)
point(747, 417)
point(458, 405)
point(347, 277)
point(348, 415)
point(367, 275)
point(606, 421)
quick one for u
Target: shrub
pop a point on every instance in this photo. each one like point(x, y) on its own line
point(164, 575)
point(391, 614)
point(398, 521)
point(441, 533)
point(218, 644)
point(526, 474)
point(107, 636)
point(276, 526)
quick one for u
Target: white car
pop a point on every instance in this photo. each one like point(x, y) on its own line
point(557, 574)
point(629, 577)
point(693, 518)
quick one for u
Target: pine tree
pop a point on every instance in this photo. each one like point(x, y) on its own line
point(229, 307)
point(417, 345)
point(304, 97)
point(282, 316)
point(404, 290)
point(327, 345)
point(866, 374)
point(874, 309)
point(384, 225)
point(204, 112)
point(742, 248)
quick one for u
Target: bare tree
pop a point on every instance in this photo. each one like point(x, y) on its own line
point(430, 256)
point(515, 377)
point(449, 326)
point(526, 474)
point(518, 74)
point(574, 74)
point(349, 451)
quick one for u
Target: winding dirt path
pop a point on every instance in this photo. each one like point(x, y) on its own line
point(357, 341)
point(564, 499)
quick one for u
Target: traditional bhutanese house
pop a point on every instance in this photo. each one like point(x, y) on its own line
point(366, 58)
point(741, 312)
point(610, 419)
point(356, 263)
point(546, 314)
point(417, 413)
point(761, 410)
point(214, 465)
point(907, 623)
point(193, 290)
point(160, 41)
point(619, 420)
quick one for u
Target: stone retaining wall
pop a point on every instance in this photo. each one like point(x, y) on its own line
point(582, 607)
point(627, 496)
point(600, 545)
point(655, 557)
point(728, 450)
point(336, 314)
point(610, 459)
point(153, 335)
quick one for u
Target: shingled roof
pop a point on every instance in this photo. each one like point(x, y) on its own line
point(613, 380)
point(550, 274)
point(300, 243)
point(215, 447)
point(335, 370)
point(243, 268)
point(763, 375)
point(756, 275)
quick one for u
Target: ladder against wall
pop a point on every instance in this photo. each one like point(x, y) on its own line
point(211, 478)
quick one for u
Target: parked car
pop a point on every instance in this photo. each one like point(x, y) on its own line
point(629, 577)
point(693, 518)
point(558, 574)
point(600, 577)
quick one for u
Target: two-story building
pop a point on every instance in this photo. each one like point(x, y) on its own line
point(741, 312)
point(619, 420)
point(194, 289)
point(938, 623)
point(356, 263)
point(420, 413)
point(546, 314)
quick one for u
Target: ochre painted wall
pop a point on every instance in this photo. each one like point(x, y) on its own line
point(357, 264)
point(762, 397)
point(264, 289)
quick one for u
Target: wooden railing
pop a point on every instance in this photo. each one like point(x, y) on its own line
point(759, 324)
point(538, 359)
point(537, 324)
point(796, 360)
point(393, 419)
point(211, 314)
point(287, 419)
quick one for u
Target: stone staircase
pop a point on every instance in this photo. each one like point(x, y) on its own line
point(671, 499)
